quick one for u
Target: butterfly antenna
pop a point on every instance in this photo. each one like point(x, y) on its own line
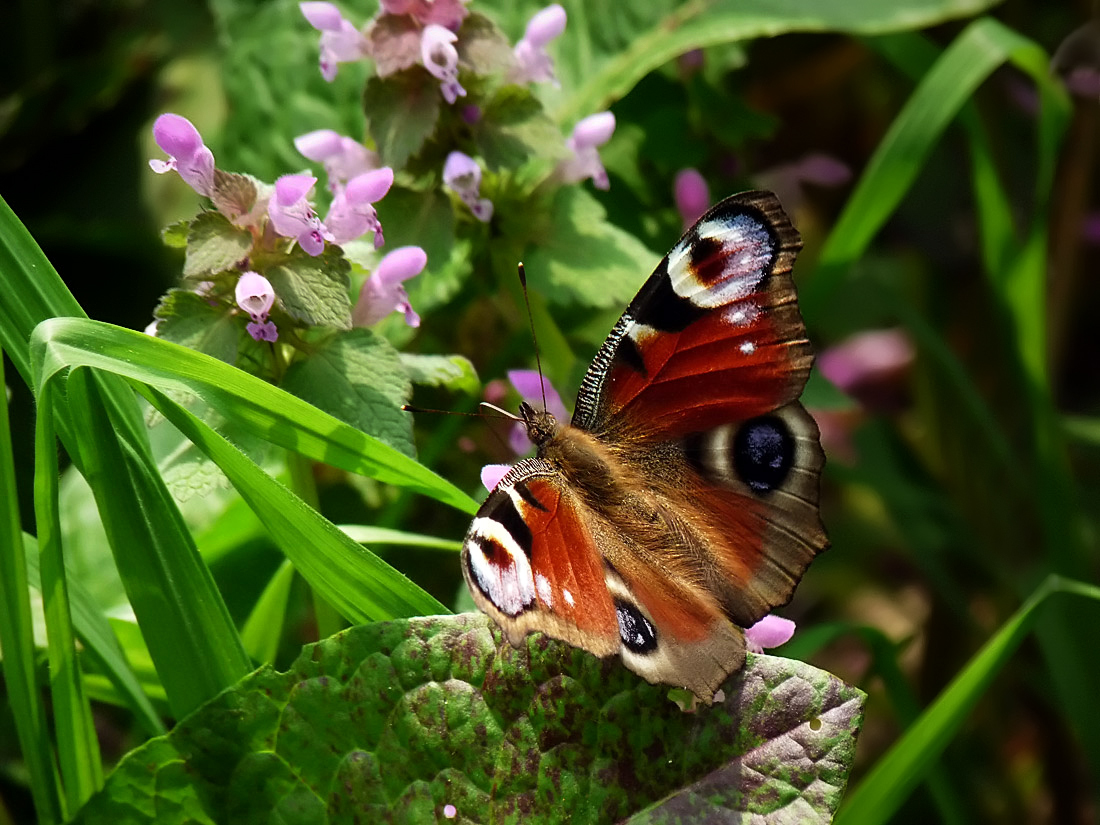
point(496, 409)
point(534, 338)
point(414, 409)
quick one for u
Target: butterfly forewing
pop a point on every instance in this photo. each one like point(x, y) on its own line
point(714, 335)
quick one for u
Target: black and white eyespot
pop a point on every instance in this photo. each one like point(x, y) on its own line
point(636, 631)
point(499, 567)
point(763, 454)
point(723, 259)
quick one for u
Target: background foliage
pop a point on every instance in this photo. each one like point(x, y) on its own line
point(953, 489)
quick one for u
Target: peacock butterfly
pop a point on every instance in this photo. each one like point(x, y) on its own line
point(680, 505)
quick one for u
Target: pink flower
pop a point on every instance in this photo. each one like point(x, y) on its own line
point(1077, 60)
point(531, 387)
point(771, 631)
point(788, 180)
point(533, 63)
point(265, 331)
point(187, 154)
point(491, 474)
point(352, 212)
point(446, 13)
point(692, 195)
point(590, 133)
point(342, 157)
point(341, 42)
point(383, 292)
point(462, 174)
point(440, 57)
point(871, 367)
point(256, 296)
point(292, 216)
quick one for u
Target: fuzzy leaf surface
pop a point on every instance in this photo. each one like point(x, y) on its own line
point(187, 318)
point(403, 110)
point(588, 260)
point(390, 722)
point(214, 245)
point(314, 290)
point(358, 377)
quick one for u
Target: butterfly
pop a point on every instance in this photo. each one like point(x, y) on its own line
point(680, 504)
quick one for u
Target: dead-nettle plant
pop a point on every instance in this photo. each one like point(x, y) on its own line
point(268, 283)
point(310, 304)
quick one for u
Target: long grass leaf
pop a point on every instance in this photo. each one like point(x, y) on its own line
point(357, 583)
point(264, 628)
point(17, 638)
point(894, 777)
point(100, 644)
point(183, 618)
point(77, 746)
point(982, 47)
point(266, 410)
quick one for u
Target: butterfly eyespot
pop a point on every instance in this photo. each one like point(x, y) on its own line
point(763, 453)
point(638, 635)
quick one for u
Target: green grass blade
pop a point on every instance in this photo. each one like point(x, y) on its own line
point(696, 25)
point(982, 47)
point(357, 583)
point(266, 410)
point(183, 618)
point(77, 746)
point(100, 644)
point(17, 637)
point(32, 292)
point(264, 627)
point(368, 534)
point(894, 777)
point(914, 54)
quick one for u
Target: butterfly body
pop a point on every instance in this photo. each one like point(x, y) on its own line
point(680, 504)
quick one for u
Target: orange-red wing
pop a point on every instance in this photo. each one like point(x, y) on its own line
point(714, 336)
point(532, 563)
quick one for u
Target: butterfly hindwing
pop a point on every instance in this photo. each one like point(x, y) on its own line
point(532, 564)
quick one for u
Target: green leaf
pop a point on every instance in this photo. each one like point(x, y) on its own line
point(587, 260)
point(455, 372)
point(358, 377)
point(354, 581)
point(264, 629)
point(369, 534)
point(423, 219)
point(403, 109)
point(175, 235)
point(77, 745)
point(188, 319)
point(983, 46)
point(214, 245)
point(514, 128)
point(483, 47)
point(100, 644)
point(393, 721)
point(314, 289)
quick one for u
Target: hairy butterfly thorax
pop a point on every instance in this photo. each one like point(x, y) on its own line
point(680, 504)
